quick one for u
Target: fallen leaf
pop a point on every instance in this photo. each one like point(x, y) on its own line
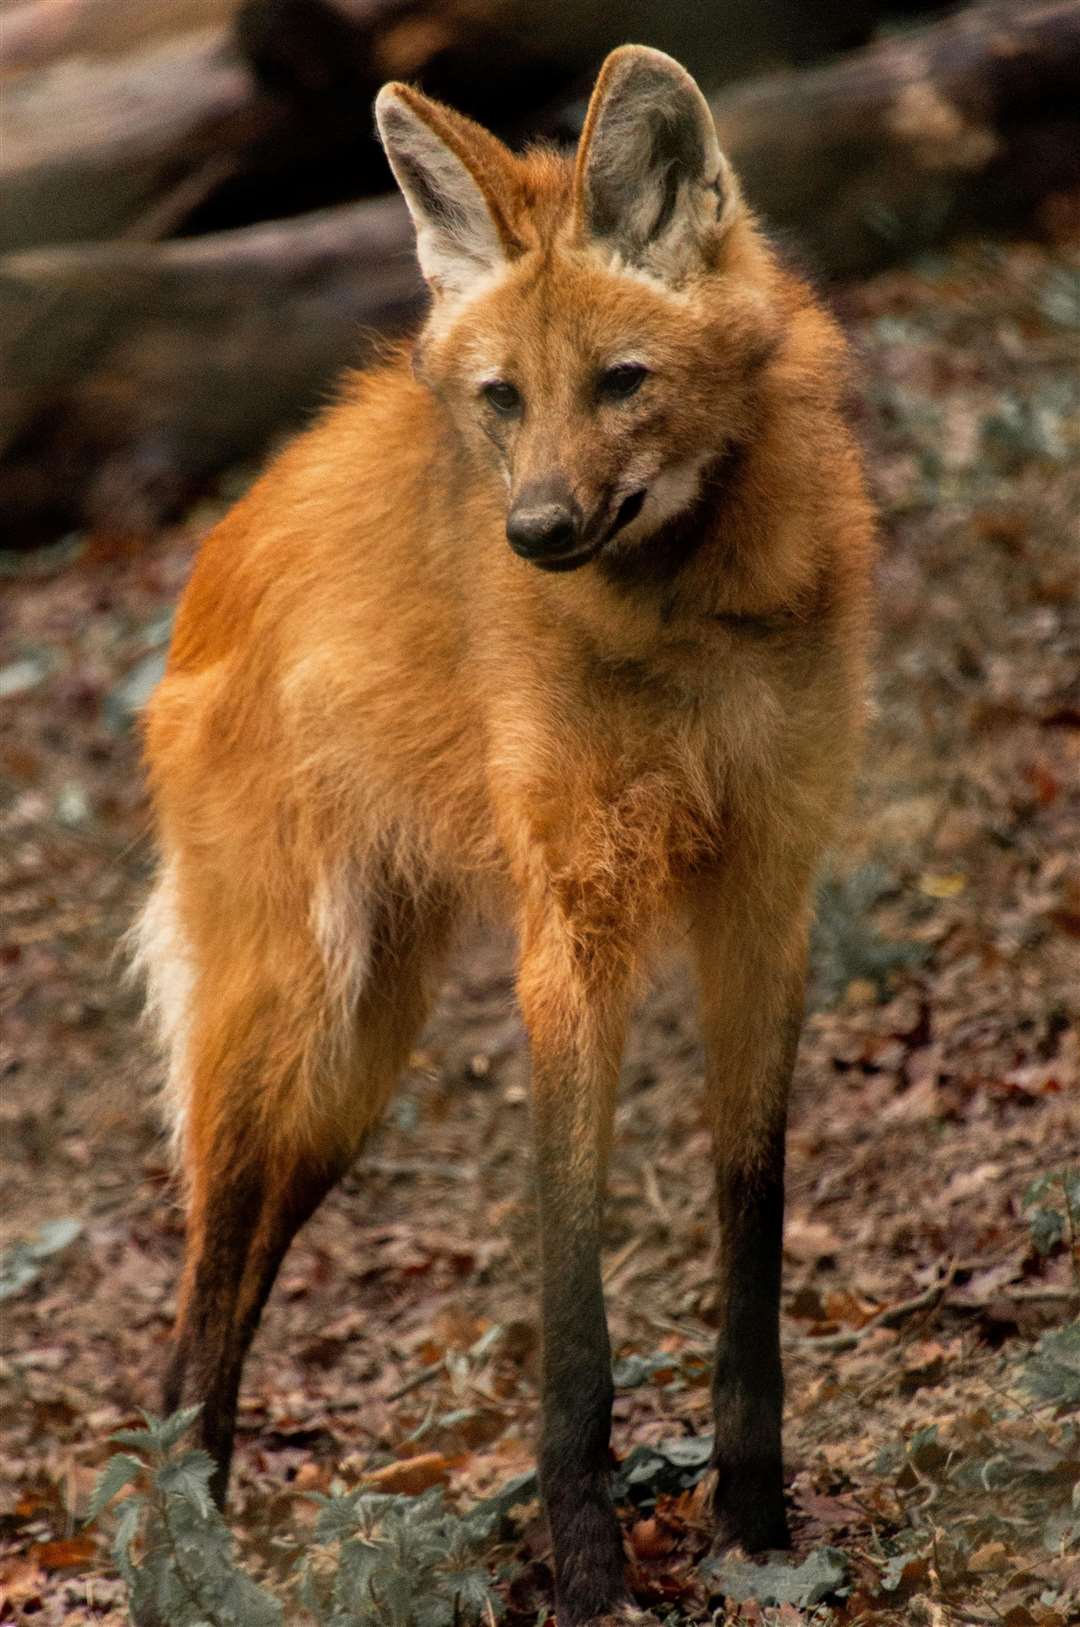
point(412, 1475)
point(936, 885)
point(809, 1240)
point(650, 1539)
point(924, 1363)
point(992, 1556)
point(841, 1305)
point(21, 1581)
point(821, 1573)
point(65, 1551)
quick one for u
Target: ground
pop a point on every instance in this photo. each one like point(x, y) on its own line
point(938, 1078)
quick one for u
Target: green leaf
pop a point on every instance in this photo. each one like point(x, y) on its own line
point(358, 1562)
point(1052, 1371)
point(171, 1429)
point(189, 1477)
point(20, 1264)
point(687, 1451)
point(926, 1451)
point(119, 1472)
point(846, 945)
point(631, 1371)
point(1047, 1227)
point(140, 1440)
point(18, 1269)
point(822, 1572)
point(472, 1589)
point(341, 1517)
point(893, 1573)
point(55, 1235)
point(128, 1515)
point(1038, 1189)
point(483, 1519)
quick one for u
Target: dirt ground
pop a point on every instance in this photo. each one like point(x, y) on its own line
point(939, 1076)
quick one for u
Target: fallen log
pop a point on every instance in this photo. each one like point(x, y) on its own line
point(158, 364)
point(283, 89)
point(89, 145)
point(132, 371)
point(39, 32)
point(967, 124)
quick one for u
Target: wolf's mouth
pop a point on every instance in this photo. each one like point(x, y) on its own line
point(628, 510)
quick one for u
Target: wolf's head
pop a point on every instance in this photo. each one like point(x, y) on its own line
point(597, 324)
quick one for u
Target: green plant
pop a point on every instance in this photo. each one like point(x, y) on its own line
point(376, 1561)
point(398, 1561)
point(1052, 1372)
point(846, 944)
point(184, 1574)
point(1054, 1202)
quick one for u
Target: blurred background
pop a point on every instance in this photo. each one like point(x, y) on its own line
point(197, 233)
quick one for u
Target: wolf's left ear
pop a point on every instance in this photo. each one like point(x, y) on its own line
point(652, 186)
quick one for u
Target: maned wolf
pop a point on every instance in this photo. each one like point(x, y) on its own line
point(562, 610)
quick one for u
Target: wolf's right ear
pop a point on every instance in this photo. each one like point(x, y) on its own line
point(456, 179)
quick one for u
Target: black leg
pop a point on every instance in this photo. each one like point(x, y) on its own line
point(751, 954)
point(577, 1396)
point(748, 1384)
point(246, 1228)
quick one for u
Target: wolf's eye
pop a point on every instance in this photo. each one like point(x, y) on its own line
point(621, 381)
point(504, 397)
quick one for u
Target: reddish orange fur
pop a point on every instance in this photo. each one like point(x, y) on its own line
point(374, 712)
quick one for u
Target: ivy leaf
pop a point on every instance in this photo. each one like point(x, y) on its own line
point(1052, 1372)
point(21, 1263)
point(822, 1572)
point(631, 1371)
point(1047, 1227)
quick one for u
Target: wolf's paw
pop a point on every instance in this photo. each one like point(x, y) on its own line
point(754, 1530)
point(749, 1513)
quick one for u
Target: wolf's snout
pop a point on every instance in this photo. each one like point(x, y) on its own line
point(544, 524)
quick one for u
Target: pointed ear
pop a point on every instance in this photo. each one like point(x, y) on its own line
point(651, 185)
point(457, 181)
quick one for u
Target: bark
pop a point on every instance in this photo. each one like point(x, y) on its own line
point(107, 101)
point(130, 371)
point(90, 144)
point(134, 371)
point(967, 124)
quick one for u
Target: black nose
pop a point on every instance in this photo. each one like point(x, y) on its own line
point(543, 529)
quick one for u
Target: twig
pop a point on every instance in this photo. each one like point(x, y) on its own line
point(698, 1334)
point(651, 1188)
point(1074, 1253)
point(624, 1256)
point(1038, 1291)
point(417, 1166)
point(424, 1376)
point(890, 1317)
